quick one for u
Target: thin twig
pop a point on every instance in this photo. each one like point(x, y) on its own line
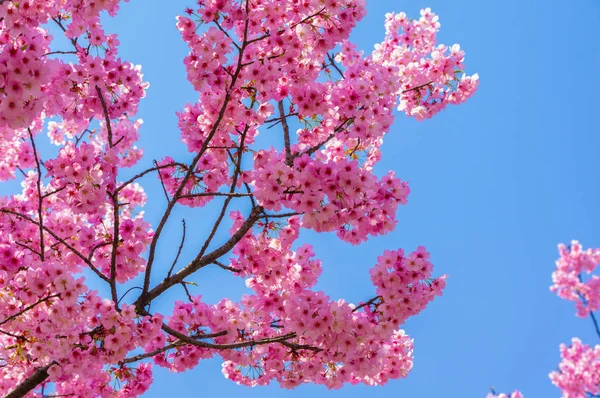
point(162, 183)
point(39, 191)
point(334, 64)
point(417, 87)
point(226, 267)
point(179, 250)
point(236, 172)
point(289, 158)
point(227, 194)
point(143, 173)
point(229, 346)
point(24, 310)
point(152, 353)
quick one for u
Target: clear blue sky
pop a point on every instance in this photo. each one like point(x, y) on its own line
point(496, 184)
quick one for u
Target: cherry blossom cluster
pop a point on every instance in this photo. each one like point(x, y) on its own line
point(432, 75)
point(83, 175)
point(333, 196)
point(578, 374)
point(40, 84)
point(44, 303)
point(572, 279)
point(325, 347)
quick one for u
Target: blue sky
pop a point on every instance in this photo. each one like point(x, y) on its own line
point(496, 184)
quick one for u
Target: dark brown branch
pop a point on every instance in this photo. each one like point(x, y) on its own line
point(289, 159)
point(282, 215)
point(143, 173)
point(308, 18)
point(152, 353)
point(296, 347)
point(227, 194)
point(152, 251)
point(128, 290)
point(106, 117)
point(372, 301)
point(39, 191)
point(115, 246)
point(199, 262)
point(417, 87)
point(187, 292)
point(162, 183)
point(237, 168)
point(227, 34)
point(47, 194)
point(28, 248)
point(338, 129)
point(115, 204)
point(229, 346)
point(59, 52)
point(334, 64)
point(226, 267)
point(22, 338)
point(278, 119)
point(31, 382)
point(178, 251)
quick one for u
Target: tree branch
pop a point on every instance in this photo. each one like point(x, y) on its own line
point(372, 301)
point(60, 240)
point(40, 197)
point(229, 346)
point(31, 382)
point(24, 310)
point(199, 262)
point(106, 117)
point(178, 251)
point(333, 63)
point(289, 159)
point(178, 192)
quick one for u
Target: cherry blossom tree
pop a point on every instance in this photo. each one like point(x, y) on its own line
point(76, 223)
point(578, 374)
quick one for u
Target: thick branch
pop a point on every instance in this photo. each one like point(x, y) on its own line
point(106, 117)
point(31, 382)
point(289, 159)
